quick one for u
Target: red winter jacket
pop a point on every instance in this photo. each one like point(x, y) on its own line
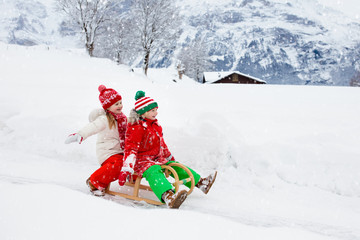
point(144, 141)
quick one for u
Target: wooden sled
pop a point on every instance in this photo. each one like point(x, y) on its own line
point(136, 184)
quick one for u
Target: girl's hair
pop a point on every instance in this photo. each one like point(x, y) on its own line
point(111, 120)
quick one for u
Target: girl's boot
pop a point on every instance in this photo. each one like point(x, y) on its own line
point(174, 200)
point(94, 190)
point(205, 184)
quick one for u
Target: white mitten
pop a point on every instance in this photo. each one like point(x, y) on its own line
point(75, 137)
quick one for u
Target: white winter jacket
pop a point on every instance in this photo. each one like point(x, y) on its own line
point(108, 141)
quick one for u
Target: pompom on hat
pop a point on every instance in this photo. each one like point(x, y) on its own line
point(108, 96)
point(143, 104)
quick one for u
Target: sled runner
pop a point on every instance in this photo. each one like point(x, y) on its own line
point(136, 184)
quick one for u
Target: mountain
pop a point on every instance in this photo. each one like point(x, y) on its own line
point(33, 22)
point(286, 42)
point(282, 42)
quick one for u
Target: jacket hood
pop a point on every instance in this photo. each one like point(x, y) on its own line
point(94, 114)
point(133, 116)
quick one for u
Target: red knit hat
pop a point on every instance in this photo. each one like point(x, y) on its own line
point(108, 96)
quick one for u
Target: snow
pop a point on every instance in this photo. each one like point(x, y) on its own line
point(349, 7)
point(287, 156)
point(41, 23)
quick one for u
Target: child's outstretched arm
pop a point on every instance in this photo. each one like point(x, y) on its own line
point(88, 130)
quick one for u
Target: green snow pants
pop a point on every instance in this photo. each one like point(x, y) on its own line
point(158, 182)
point(183, 175)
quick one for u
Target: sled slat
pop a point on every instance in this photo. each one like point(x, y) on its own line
point(154, 202)
point(184, 181)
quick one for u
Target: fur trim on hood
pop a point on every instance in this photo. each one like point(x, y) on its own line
point(94, 114)
point(133, 116)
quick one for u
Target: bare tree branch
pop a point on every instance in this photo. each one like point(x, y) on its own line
point(88, 16)
point(156, 25)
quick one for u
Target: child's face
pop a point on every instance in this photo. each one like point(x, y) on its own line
point(116, 107)
point(151, 114)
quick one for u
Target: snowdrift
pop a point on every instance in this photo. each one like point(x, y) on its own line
point(287, 156)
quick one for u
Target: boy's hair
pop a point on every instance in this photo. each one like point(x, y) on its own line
point(111, 120)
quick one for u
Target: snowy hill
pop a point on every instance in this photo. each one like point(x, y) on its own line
point(287, 156)
point(282, 42)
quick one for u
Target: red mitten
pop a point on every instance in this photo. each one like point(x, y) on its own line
point(125, 175)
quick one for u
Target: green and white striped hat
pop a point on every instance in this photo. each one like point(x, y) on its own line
point(144, 104)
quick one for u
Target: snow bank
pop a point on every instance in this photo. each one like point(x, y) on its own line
point(287, 156)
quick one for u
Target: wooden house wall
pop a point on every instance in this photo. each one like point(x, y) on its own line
point(236, 78)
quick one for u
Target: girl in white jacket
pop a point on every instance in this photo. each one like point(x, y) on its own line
point(109, 124)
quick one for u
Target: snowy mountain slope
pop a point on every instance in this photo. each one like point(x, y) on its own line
point(293, 42)
point(282, 42)
point(33, 22)
point(287, 156)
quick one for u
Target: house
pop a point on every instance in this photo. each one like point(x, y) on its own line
point(230, 77)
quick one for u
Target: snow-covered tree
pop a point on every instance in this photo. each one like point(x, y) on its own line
point(155, 26)
point(116, 41)
point(122, 45)
point(88, 16)
point(195, 59)
point(180, 69)
point(355, 80)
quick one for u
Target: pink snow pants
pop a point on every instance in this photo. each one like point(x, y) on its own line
point(108, 172)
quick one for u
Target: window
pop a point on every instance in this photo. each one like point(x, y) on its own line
point(235, 78)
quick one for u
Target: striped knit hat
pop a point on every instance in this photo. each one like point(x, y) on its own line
point(108, 96)
point(144, 104)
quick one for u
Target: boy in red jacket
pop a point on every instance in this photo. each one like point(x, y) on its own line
point(145, 151)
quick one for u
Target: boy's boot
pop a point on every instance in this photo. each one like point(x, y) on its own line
point(94, 190)
point(205, 184)
point(174, 200)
